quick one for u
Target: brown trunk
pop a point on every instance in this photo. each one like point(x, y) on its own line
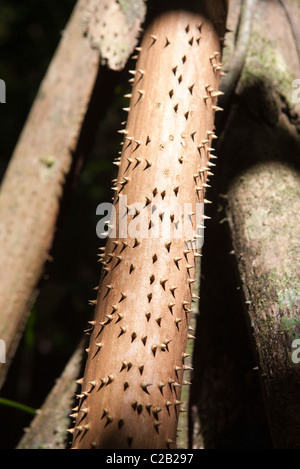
point(260, 175)
point(33, 184)
point(132, 384)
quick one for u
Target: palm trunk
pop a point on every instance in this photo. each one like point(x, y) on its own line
point(131, 389)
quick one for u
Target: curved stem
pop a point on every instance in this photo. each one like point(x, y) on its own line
point(17, 405)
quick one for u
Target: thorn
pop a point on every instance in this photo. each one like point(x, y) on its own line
point(148, 164)
point(167, 42)
point(156, 426)
point(189, 336)
point(136, 242)
point(141, 93)
point(176, 260)
point(133, 336)
point(148, 315)
point(139, 408)
point(155, 412)
point(123, 330)
point(163, 283)
point(126, 385)
point(123, 296)
point(138, 160)
point(177, 321)
point(176, 385)
point(138, 144)
point(141, 369)
point(152, 278)
point(144, 387)
point(168, 246)
point(168, 404)
point(134, 405)
point(186, 383)
point(217, 108)
point(120, 317)
point(215, 94)
point(148, 407)
point(158, 320)
point(169, 442)
point(124, 365)
point(110, 379)
point(154, 39)
point(185, 355)
point(187, 368)
point(144, 339)
point(177, 403)
point(161, 386)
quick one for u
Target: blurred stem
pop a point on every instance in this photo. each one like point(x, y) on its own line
point(17, 405)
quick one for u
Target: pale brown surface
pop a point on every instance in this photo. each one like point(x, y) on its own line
point(33, 184)
point(169, 129)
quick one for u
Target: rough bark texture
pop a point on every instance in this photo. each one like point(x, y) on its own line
point(257, 191)
point(112, 27)
point(130, 396)
point(265, 219)
point(263, 208)
point(33, 184)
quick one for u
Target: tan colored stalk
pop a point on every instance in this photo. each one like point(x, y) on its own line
point(33, 184)
point(131, 389)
